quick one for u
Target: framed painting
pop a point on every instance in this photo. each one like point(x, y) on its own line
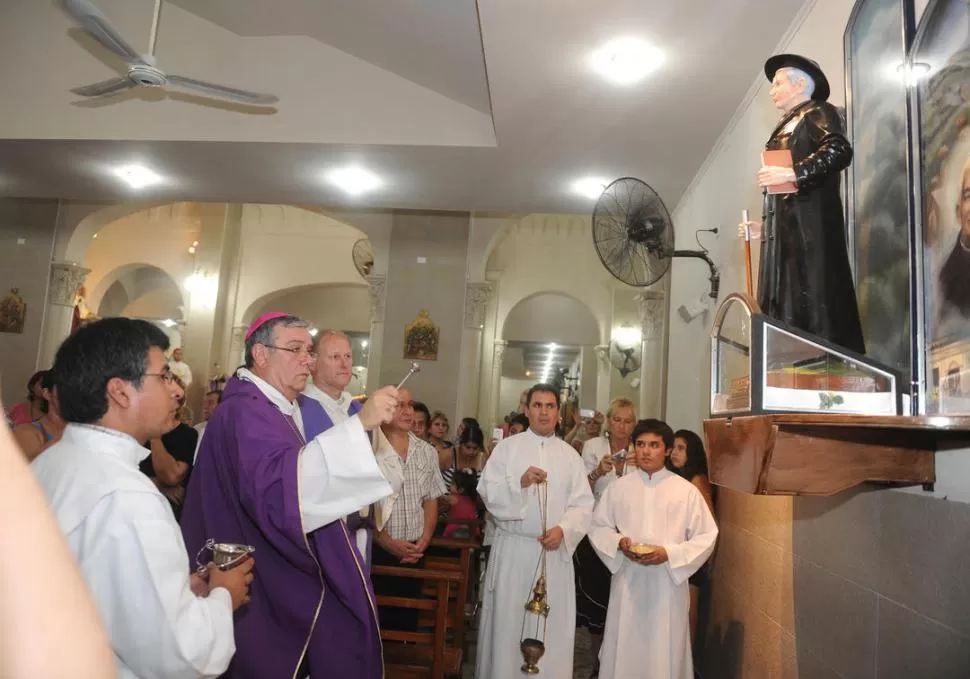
point(941, 58)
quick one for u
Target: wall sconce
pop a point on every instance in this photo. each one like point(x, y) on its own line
point(626, 337)
point(203, 288)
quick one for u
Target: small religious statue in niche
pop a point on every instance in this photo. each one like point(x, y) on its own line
point(421, 338)
point(13, 312)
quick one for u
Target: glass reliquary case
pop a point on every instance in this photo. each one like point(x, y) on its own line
point(762, 366)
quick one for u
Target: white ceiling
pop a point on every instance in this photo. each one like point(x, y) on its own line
point(451, 118)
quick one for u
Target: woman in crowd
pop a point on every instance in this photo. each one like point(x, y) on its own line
point(605, 459)
point(689, 460)
point(47, 428)
point(438, 437)
point(468, 455)
point(29, 409)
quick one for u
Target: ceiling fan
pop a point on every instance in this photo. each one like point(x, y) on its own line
point(141, 69)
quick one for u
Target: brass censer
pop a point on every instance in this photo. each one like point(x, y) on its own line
point(534, 647)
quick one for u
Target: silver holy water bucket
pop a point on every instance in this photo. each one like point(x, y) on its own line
point(225, 555)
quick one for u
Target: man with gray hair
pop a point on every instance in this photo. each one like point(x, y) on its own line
point(804, 277)
point(262, 481)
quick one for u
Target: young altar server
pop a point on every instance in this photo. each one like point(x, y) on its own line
point(262, 481)
point(653, 530)
point(511, 486)
point(116, 391)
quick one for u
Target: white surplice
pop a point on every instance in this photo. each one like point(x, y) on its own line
point(649, 605)
point(338, 471)
point(125, 538)
point(337, 410)
point(515, 553)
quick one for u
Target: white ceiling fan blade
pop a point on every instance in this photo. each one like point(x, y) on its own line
point(221, 91)
point(110, 86)
point(94, 22)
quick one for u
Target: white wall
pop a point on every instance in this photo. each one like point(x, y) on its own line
point(722, 188)
point(339, 307)
point(285, 247)
point(159, 237)
point(510, 392)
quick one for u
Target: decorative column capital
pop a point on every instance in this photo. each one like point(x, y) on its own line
point(65, 279)
point(651, 305)
point(377, 284)
point(476, 301)
point(498, 348)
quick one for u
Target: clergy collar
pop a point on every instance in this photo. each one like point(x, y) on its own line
point(317, 393)
point(269, 391)
point(104, 439)
point(658, 475)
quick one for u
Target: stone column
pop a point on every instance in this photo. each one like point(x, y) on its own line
point(651, 305)
point(65, 279)
point(377, 283)
point(237, 349)
point(498, 356)
point(476, 303)
point(603, 368)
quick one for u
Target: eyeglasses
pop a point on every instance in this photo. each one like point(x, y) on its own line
point(299, 351)
point(166, 376)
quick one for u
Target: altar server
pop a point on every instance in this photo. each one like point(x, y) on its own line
point(511, 487)
point(261, 481)
point(116, 391)
point(653, 530)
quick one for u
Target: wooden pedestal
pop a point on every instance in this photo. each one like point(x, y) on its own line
point(823, 454)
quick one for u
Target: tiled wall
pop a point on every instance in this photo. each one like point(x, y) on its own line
point(869, 584)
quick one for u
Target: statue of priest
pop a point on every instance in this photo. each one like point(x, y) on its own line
point(804, 278)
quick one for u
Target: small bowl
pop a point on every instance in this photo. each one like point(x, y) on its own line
point(641, 549)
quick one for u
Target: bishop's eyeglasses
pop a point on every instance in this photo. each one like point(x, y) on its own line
point(299, 351)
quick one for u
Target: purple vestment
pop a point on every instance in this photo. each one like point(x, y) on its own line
point(244, 489)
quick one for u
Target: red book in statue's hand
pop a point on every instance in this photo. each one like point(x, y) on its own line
point(779, 158)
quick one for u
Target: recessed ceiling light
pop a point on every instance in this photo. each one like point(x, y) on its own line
point(354, 180)
point(625, 61)
point(137, 176)
point(169, 323)
point(590, 187)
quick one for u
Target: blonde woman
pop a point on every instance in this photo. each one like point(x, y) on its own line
point(605, 460)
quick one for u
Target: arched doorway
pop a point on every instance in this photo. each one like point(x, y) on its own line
point(550, 337)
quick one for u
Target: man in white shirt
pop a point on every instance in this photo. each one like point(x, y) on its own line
point(409, 515)
point(179, 367)
point(521, 472)
point(653, 530)
point(116, 391)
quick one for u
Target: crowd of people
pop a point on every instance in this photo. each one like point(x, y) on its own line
point(321, 486)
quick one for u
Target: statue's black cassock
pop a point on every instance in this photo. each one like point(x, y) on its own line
point(804, 278)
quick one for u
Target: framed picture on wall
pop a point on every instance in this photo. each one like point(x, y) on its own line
point(877, 37)
point(421, 338)
point(941, 59)
point(13, 312)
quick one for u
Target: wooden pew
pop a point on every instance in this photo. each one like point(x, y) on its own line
point(427, 655)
